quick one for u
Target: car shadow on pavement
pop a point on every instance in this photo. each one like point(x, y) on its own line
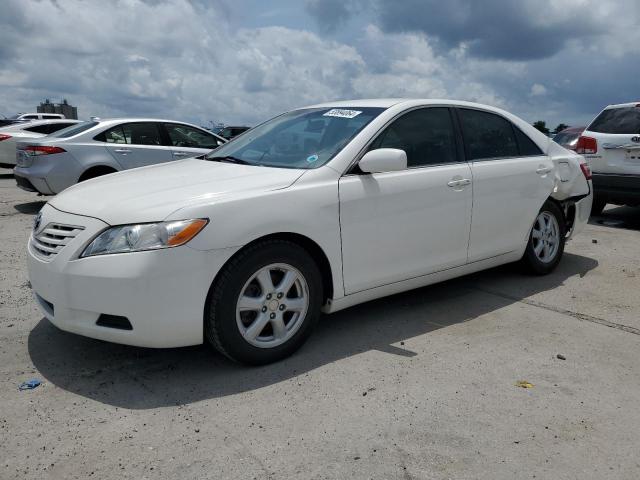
point(139, 378)
point(30, 208)
point(6, 175)
point(618, 217)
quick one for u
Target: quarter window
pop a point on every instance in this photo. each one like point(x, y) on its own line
point(426, 135)
point(487, 135)
point(189, 137)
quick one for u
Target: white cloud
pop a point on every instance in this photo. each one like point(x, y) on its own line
point(537, 90)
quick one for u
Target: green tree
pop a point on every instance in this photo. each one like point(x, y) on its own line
point(542, 126)
point(561, 127)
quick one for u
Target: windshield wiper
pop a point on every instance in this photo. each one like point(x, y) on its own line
point(228, 159)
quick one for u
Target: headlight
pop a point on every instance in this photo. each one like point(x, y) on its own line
point(146, 236)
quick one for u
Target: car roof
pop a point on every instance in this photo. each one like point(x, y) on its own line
point(623, 105)
point(390, 102)
point(36, 123)
point(116, 120)
point(573, 130)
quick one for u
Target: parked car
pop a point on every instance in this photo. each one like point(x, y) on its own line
point(10, 135)
point(99, 147)
point(317, 209)
point(5, 122)
point(611, 145)
point(568, 138)
point(39, 116)
point(232, 132)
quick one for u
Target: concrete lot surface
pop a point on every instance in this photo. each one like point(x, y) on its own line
point(421, 385)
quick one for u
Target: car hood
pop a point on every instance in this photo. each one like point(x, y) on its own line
point(152, 193)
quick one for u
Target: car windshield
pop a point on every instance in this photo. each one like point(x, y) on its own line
point(306, 138)
point(74, 129)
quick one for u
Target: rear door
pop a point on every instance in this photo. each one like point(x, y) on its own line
point(187, 141)
point(512, 178)
point(617, 132)
point(137, 144)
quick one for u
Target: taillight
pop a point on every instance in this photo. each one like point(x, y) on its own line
point(42, 150)
point(586, 170)
point(4, 136)
point(587, 146)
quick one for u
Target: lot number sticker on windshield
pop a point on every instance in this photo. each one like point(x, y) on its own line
point(337, 112)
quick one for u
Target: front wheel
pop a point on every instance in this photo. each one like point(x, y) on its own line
point(264, 303)
point(546, 240)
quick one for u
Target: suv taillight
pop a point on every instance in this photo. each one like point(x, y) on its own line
point(586, 170)
point(4, 136)
point(587, 146)
point(42, 150)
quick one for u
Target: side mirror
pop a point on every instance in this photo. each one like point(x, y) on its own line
point(383, 160)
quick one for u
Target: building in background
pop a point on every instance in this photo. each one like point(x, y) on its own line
point(64, 108)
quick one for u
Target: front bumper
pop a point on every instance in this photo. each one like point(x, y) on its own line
point(616, 188)
point(162, 293)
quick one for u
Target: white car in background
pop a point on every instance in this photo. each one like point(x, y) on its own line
point(611, 146)
point(99, 147)
point(318, 209)
point(39, 116)
point(36, 129)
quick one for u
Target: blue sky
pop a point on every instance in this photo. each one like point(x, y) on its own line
point(246, 60)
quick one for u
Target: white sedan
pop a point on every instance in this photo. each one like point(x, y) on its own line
point(21, 132)
point(316, 210)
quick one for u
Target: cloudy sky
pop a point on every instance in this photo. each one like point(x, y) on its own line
point(242, 61)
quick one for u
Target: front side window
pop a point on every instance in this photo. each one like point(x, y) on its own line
point(306, 138)
point(487, 135)
point(189, 137)
point(426, 135)
point(617, 121)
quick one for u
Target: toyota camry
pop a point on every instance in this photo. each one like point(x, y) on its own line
point(315, 210)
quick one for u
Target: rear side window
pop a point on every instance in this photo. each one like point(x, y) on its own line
point(142, 133)
point(487, 135)
point(617, 120)
point(426, 135)
point(189, 137)
point(113, 135)
point(526, 146)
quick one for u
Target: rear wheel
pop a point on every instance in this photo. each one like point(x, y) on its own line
point(264, 303)
point(546, 240)
point(95, 172)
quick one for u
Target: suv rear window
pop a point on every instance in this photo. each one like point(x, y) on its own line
point(624, 120)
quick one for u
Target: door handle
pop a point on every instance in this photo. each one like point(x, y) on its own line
point(123, 151)
point(180, 154)
point(459, 183)
point(543, 170)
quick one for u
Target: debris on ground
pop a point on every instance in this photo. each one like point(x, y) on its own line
point(594, 241)
point(561, 357)
point(30, 384)
point(524, 384)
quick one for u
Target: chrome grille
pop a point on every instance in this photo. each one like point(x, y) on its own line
point(50, 240)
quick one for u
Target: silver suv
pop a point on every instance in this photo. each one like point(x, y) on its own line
point(611, 146)
point(91, 149)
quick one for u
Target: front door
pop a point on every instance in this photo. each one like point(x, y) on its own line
point(401, 225)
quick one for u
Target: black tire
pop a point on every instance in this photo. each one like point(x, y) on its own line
point(220, 326)
point(598, 205)
point(530, 260)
